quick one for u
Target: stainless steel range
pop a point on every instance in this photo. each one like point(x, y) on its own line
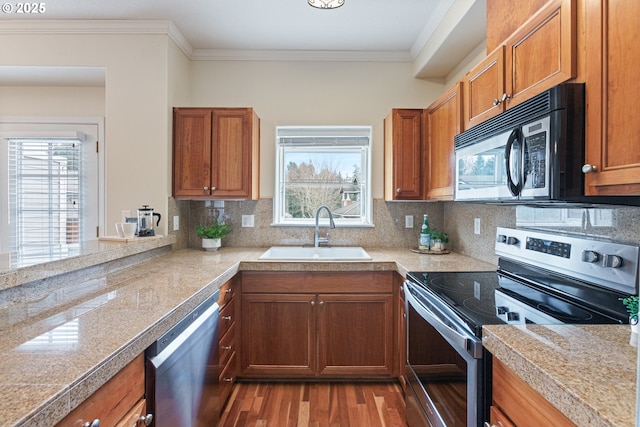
point(543, 278)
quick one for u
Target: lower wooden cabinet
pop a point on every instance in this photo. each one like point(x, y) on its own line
point(317, 325)
point(515, 403)
point(228, 340)
point(119, 402)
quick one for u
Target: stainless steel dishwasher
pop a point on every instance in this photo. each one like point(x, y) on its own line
point(183, 370)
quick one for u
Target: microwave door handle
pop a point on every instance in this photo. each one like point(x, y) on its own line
point(453, 336)
point(514, 187)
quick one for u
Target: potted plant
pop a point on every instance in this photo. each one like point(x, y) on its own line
point(631, 303)
point(438, 240)
point(211, 234)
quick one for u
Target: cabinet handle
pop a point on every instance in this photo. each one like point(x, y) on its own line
point(94, 423)
point(227, 380)
point(228, 318)
point(228, 291)
point(146, 419)
point(227, 347)
point(589, 168)
point(505, 97)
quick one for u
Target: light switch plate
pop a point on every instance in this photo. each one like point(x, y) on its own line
point(476, 226)
point(408, 221)
point(176, 223)
point(247, 220)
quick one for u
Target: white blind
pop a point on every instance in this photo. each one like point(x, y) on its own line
point(45, 206)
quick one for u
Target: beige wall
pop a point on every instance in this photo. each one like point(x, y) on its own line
point(135, 106)
point(43, 101)
point(311, 93)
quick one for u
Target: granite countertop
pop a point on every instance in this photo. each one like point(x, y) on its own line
point(588, 371)
point(57, 348)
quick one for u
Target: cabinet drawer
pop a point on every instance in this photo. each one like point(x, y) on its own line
point(227, 292)
point(227, 317)
point(132, 419)
point(314, 282)
point(227, 344)
point(111, 402)
point(227, 379)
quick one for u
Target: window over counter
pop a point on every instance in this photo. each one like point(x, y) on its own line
point(323, 165)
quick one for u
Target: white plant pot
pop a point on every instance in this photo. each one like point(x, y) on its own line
point(211, 244)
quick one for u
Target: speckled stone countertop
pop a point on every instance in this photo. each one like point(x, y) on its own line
point(57, 348)
point(588, 372)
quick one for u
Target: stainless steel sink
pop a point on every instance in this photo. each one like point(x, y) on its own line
point(323, 253)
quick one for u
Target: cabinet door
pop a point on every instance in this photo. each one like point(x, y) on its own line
point(401, 338)
point(278, 335)
point(612, 63)
point(542, 53)
point(191, 152)
point(484, 89)
point(403, 155)
point(444, 120)
point(355, 334)
point(498, 419)
point(233, 156)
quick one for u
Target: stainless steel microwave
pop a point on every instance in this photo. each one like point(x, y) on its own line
point(532, 152)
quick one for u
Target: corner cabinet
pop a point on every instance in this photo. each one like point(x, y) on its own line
point(611, 71)
point(216, 153)
point(324, 324)
point(403, 155)
point(443, 123)
point(539, 55)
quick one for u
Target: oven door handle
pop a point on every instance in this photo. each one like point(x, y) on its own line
point(462, 342)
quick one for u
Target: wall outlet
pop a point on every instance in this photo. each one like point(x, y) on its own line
point(476, 226)
point(176, 223)
point(408, 221)
point(247, 220)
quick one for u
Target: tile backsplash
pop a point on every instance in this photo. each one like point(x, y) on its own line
point(457, 219)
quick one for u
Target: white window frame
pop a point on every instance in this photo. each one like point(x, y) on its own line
point(34, 127)
point(282, 132)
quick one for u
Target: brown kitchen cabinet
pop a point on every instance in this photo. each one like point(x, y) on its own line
point(306, 325)
point(119, 402)
point(216, 153)
point(401, 334)
point(540, 54)
point(517, 403)
point(403, 154)
point(611, 70)
point(443, 123)
point(227, 340)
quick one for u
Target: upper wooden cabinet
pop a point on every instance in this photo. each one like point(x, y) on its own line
point(505, 16)
point(537, 56)
point(403, 155)
point(611, 69)
point(216, 153)
point(444, 122)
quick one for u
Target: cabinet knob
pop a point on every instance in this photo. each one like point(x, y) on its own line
point(206, 188)
point(227, 318)
point(227, 347)
point(228, 291)
point(589, 168)
point(213, 188)
point(146, 419)
point(321, 303)
point(496, 101)
point(398, 190)
point(505, 97)
point(94, 423)
point(227, 380)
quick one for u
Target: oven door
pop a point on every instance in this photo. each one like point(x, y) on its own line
point(444, 366)
point(489, 169)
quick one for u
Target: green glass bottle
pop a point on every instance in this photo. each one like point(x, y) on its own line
point(424, 242)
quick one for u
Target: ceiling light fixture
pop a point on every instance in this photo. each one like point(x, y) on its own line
point(326, 4)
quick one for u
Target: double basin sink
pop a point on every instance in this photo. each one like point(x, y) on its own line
point(311, 253)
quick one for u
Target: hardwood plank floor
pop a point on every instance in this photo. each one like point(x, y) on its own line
point(315, 404)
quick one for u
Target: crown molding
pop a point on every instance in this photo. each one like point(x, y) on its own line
point(300, 55)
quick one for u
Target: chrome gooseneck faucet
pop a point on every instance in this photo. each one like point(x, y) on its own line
point(316, 238)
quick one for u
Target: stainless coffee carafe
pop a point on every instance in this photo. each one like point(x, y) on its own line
point(145, 221)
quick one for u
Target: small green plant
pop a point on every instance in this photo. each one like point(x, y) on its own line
point(631, 303)
point(216, 230)
point(436, 235)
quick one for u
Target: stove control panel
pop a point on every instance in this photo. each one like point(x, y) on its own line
point(549, 247)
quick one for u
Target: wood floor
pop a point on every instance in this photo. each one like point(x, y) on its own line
point(315, 404)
